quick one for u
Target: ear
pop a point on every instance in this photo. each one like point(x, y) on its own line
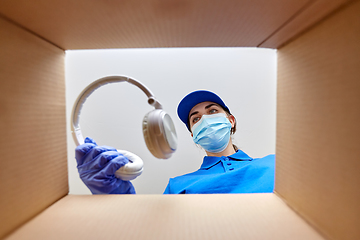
point(232, 120)
point(192, 135)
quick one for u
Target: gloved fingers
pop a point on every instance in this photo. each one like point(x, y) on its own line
point(97, 163)
point(104, 158)
point(82, 151)
point(101, 149)
point(87, 152)
point(90, 140)
point(114, 165)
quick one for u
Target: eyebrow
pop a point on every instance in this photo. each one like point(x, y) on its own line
point(208, 106)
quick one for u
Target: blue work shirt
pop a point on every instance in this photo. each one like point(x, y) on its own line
point(237, 173)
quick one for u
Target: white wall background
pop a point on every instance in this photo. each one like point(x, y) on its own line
point(245, 78)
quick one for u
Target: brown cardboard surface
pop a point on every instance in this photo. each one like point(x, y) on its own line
point(235, 216)
point(318, 132)
point(84, 24)
point(33, 172)
point(305, 18)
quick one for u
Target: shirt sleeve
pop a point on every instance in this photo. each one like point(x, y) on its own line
point(167, 189)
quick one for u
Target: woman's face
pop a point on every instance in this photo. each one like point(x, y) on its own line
point(206, 108)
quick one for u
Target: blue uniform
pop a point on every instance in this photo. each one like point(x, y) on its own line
point(237, 173)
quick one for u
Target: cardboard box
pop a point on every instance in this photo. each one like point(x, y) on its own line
point(317, 158)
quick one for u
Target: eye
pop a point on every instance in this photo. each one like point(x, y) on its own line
point(195, 119)
point(212, 111)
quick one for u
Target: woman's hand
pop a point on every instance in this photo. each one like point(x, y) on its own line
point(97, 166)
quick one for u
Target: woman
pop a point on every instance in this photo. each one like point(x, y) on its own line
point(225, 169)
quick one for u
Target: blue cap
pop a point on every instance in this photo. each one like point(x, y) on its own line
point(194, 98)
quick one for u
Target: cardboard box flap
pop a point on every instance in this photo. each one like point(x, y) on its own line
point(234, 216)
point(86, 24)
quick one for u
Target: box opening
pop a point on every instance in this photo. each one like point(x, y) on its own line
point(112, 115)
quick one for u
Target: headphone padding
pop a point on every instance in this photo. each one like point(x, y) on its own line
point(154, 134)
point(131, 170)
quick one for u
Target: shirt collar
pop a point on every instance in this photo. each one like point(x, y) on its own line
point(210, 161)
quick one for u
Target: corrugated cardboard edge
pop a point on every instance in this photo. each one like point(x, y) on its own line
point(312, 13)
point(33, 173)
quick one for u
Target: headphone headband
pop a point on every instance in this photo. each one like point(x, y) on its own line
point(75, 115)
point(158, 128)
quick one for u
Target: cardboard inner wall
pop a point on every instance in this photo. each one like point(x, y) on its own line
point(318, 116)
point(33, 172)
point(190, 217)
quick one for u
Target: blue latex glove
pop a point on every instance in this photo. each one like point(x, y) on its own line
point(97, 166)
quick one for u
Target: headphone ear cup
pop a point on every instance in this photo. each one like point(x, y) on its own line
point(156, 134)
point(147, 134)
point(132, 169)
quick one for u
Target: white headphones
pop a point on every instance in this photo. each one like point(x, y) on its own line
point(158, 128)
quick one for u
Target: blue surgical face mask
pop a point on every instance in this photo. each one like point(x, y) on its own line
point(212, 132)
